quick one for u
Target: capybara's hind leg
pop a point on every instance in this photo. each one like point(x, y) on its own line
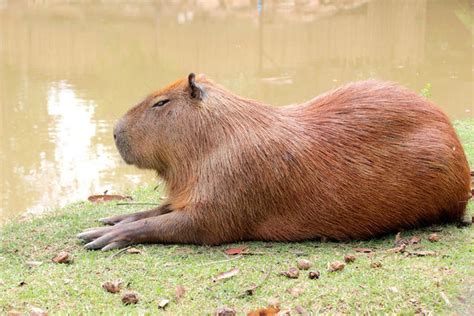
point(132, 217)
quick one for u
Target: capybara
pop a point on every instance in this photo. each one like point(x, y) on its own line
point(357, 162)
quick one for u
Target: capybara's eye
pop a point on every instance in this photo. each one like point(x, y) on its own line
point(160, 103)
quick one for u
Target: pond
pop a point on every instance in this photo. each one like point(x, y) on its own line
point(68, 71)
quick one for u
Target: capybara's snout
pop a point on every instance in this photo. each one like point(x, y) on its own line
point(122, 141)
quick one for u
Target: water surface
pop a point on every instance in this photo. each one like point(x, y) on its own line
point(69, 70)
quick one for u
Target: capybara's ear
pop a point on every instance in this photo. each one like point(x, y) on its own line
point(196, 91)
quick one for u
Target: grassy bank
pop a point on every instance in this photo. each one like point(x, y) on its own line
point(442, 281)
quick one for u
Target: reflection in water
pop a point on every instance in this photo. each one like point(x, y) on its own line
point(68, 71)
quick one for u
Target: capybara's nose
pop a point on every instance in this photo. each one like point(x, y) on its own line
point(119, 128)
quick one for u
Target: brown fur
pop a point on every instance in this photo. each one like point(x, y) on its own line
point(357, 162)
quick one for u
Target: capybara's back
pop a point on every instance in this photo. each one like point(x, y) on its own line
point(363, 160)
point(370, 158)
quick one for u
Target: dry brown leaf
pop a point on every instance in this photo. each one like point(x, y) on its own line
point(267, 311)
point(63, 257)
point(415, 240)
point(13, 312)
point(163, 303)
point(225, 311)
point(295, 291)
point(292, 273)
point(336, 266)
point(36, 311)
point(433, 237)
point(349, 258)
point(376, 264)
point(226, 275)
point(304, 264)
point(130, 297)
point(112, 286)
point(101, 198)
point(314, 275)
point(179, 292)
point(364, 250)
point(134, 251)
point(398, 249)
point(236, 251)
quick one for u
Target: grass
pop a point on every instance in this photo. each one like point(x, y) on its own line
point(440, 284)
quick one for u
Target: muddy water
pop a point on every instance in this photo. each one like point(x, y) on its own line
point(68, 71)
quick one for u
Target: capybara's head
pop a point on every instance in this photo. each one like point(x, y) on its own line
point(158, 130)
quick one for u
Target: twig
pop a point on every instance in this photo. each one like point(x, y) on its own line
point(136, 203)
point(251, 290)
point(119, 252)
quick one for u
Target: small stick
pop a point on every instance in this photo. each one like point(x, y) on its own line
point(119, 252)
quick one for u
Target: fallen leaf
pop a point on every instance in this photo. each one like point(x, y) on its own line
point(163, 303)
point(295, 291)
point(236, 251)
point(301, 310)
point(108, 197)
point(433, 237)
point(13, 312)
point(376, 264)
point(112, 286)
point(398, 249)
point(292, 273)
point(225, 275)
point(314, 275)
point(179, 292)
point(225, 311)
point(364, 250)
point(349, 258)
point(336, 266)
point(33, 264)
point(63, 257)
point(130, 297)
point(36, 311)
point(415, 240)
point(134, 251)
point(304, 264)
point(267, 311)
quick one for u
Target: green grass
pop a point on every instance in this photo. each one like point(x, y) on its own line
point(403, 285)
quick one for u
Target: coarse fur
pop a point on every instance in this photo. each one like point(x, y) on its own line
point(357, 162)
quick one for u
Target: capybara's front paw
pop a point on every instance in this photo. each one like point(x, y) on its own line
point(107, 238)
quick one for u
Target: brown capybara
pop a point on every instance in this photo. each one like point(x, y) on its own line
point(357, 162)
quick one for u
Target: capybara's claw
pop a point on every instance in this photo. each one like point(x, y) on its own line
point(93, 233)
point(107, 238)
